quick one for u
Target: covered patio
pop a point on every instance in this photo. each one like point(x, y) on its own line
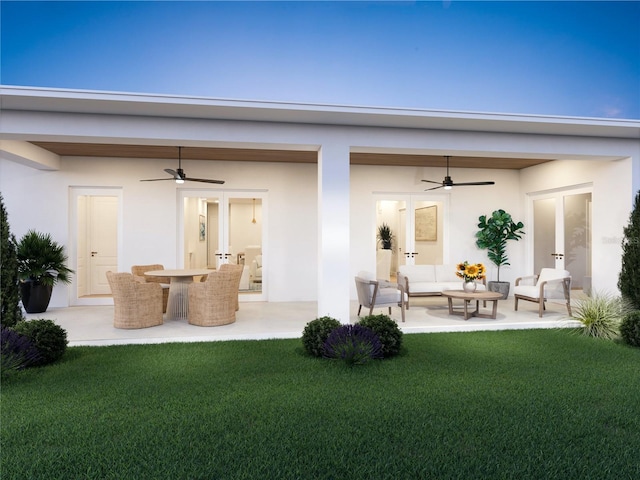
point(93, 325)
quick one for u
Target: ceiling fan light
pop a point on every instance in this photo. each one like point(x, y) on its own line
point(447, 187)
point(179, 180)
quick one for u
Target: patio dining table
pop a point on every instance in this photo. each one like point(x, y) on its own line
point(178, 302)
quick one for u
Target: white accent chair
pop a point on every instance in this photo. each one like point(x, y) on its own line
point(255, 274)
point(374, 293)
point(551, 283)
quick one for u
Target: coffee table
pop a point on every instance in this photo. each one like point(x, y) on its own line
point(468, 298)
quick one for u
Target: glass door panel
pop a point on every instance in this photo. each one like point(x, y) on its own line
point(226, 227)
point(417, 225)
point(562, 235)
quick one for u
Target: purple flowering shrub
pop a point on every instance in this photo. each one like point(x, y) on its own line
point(16, 351)
point(354, 344)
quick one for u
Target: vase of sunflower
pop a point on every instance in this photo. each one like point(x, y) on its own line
point(470, 272)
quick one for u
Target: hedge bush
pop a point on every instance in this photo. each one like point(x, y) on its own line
point(387, 331)
point(630, 329)
point(316, 332)
point(49, 339)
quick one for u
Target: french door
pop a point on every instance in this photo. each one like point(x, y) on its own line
point(418, 223)
point(562, 233)
point(221, 227)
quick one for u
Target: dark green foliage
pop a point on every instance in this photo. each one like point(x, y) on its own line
point(16, 351)
point(49, 339)
point(10, 312)
point(316, 332)
point(630, 329)
point(385, 236)
point(42, 260)
point(388, 332)
point(494, 233)
point(354, 344)
point(629, 279)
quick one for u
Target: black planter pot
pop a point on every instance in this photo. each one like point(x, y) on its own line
point(35, 296)
point(499, 287)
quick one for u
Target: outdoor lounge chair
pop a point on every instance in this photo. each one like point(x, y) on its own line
point(551, 283)
point(374, 293)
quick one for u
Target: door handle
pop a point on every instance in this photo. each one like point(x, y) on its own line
point(558, 256)
point(93, 254)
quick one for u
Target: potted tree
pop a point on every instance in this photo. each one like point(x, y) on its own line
point(493, 235)
point(383, 256)
point(41, 264)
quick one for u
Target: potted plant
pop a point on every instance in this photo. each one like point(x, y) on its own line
point(493, 235)
point(383, 256)
point(41, 264)
point(385, 236)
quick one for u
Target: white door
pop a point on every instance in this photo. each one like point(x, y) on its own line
point(102, 242)
point(95, 226)
point(417, 223)
point(226, 227)
point(562, 233)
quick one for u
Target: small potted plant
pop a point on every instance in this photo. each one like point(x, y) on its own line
point(385, 236)
point(493, 235)
point(41, 264)
point(383, 255)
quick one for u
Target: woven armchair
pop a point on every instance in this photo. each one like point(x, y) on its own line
point(213, 302)
point(136, 304)
point(140, 270)
point(236, 269)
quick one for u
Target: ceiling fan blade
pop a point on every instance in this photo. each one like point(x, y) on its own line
point(473, 183)
point(157, 179)
point(434, 188)
point(203, 180)
point(431, 181)
point(171, 172)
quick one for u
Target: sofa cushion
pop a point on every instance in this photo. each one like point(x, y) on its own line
point(446, 273)
point(424, 287)
point(418, 273)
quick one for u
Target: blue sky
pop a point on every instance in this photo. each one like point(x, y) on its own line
point(548, 58)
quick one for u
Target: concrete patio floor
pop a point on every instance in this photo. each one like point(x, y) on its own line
point(93, 325)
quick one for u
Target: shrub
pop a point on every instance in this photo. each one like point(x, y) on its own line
point(354, 344)
point(49, 339)
point(629, 280)
point(16, 351)
point(316, 332)
point(601, 314)
point(387, 331)
point(630, 328)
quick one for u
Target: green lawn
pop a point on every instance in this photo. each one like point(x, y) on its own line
point(533, 404)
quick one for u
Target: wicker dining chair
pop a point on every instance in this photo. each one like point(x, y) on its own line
point(237, 271)
point(213, 302)
point(140, 270)
point(136, 304)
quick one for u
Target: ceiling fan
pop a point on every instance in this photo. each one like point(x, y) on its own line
point(179, 176)
point(447, 183)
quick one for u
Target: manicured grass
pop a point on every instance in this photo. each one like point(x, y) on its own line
point(536, 404)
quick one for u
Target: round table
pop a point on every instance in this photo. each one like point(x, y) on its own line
point(178, 302)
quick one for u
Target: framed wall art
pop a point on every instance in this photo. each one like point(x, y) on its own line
point(427, 224)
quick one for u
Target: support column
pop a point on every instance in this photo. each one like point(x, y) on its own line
point(333, 229)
